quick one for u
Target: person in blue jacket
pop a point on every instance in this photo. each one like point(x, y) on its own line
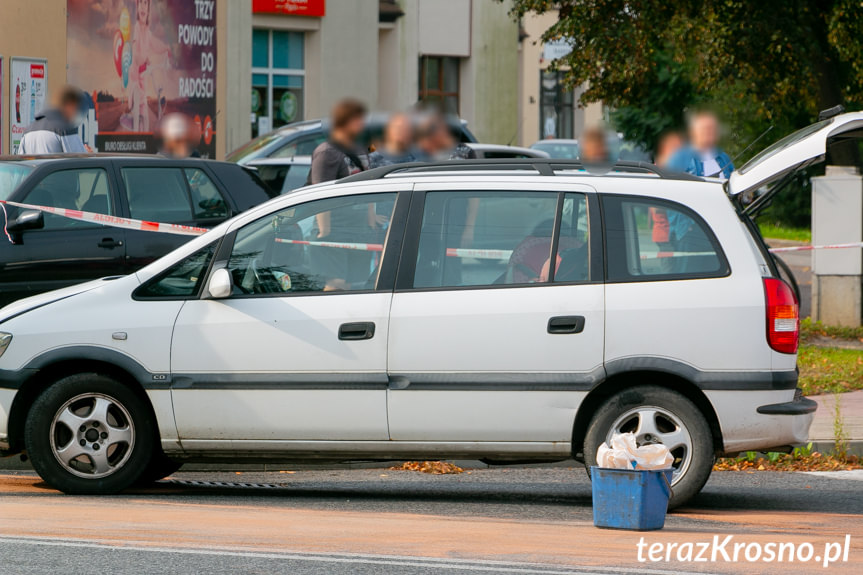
point(702, 156)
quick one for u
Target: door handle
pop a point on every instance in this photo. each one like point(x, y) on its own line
point(566, 324)
point(356, 331)
point(110, 243)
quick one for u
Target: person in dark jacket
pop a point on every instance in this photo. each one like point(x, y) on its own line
point(55, 130)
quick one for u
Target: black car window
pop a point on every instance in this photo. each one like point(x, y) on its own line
point(652, 239)
point(83, 189)
point(158, 194)
point(207, 202)
point(181, 280)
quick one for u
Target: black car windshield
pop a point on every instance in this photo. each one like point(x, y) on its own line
point(248, 150)
point(11, 176)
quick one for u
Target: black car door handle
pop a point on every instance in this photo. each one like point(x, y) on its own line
point(110, 243)
point(566, 324)
point(356, 331)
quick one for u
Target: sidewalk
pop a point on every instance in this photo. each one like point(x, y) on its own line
point(851, 407)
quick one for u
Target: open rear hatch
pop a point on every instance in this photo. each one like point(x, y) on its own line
point(779, 163)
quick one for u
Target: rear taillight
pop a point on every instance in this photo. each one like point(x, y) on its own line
point(783, 316)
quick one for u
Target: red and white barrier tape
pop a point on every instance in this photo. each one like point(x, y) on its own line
point(810, 248)
point(113, 221)
point(146, 226)
point(344, 246)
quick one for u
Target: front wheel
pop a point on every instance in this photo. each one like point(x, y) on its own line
point(89, 434)
point(658, 415)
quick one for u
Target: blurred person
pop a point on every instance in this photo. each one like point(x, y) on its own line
point(702, 156)
point(592, 147)
point(436, 143)
point(668, 145)
point(334, 159)
point(397, 144)
point(177, 137)
point(55, 130)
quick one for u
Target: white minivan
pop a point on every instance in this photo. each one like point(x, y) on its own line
point(499, 310)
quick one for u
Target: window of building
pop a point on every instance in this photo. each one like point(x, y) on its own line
point(654, 239)
point(278, 77)
point(439, 83)
point(556, 106)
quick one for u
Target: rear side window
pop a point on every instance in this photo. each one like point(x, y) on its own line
point(158, 194)
point(494, 239)
point(652, 239)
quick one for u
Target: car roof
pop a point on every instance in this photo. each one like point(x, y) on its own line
point(520, 167)
point(567, 141)
point(52, 158)
point(289, 160)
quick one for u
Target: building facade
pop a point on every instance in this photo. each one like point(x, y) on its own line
point(273, 62)
point(461, 55)
point(547, 109)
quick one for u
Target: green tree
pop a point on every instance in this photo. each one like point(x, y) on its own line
point(779, 61)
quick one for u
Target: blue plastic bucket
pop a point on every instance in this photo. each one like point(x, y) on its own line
point(630, 499)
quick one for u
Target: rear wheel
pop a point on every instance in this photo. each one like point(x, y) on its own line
point(89, 434)
point(658, 415)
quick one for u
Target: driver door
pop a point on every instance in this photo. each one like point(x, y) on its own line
point(298, 351)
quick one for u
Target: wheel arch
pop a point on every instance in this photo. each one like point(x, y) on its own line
point(634, 378)
point(56, 364)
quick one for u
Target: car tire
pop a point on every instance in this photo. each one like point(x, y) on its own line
point(89, 434)
point(161, 466)
point(674, 418)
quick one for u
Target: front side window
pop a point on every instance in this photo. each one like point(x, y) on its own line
point(180, 281)
point(655, 239)
point(158, 194)
point(332, 245)
point(493, 238)
point(207, 202)
point(86, 190)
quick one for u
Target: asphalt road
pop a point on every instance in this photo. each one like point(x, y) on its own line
point(505, 520)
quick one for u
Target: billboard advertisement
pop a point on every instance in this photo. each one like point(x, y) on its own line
point(139, 60)
point(28, 91)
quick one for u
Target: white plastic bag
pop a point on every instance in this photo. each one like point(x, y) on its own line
point(624, 453)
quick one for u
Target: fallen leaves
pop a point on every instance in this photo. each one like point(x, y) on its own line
point(789, 462)
point(430, 467)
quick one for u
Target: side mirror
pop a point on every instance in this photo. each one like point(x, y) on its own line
point(27, 220)
point(221, 285)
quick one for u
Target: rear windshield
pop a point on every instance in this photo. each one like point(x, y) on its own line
point(785, 142)
point(11, 176)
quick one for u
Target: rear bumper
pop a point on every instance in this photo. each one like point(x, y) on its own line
point(770, 420)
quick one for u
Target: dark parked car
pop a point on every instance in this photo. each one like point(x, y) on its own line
point(51, 251)
point(301, 138)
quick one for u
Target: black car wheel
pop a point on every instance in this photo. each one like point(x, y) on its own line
point(658, 415)
point(89, 434)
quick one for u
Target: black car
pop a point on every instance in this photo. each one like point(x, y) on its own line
point(51, 251)
point(301, 138)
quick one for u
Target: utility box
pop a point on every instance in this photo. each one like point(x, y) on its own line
point(837, 218)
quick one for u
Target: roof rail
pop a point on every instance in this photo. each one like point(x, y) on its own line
point(543, 166)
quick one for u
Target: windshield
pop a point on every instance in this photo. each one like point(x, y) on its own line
point(247, 152)
point(785, 142)
point(11, 175)
point(558, 150)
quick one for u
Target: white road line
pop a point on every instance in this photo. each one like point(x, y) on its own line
point(362, 558)
point(852, 474)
